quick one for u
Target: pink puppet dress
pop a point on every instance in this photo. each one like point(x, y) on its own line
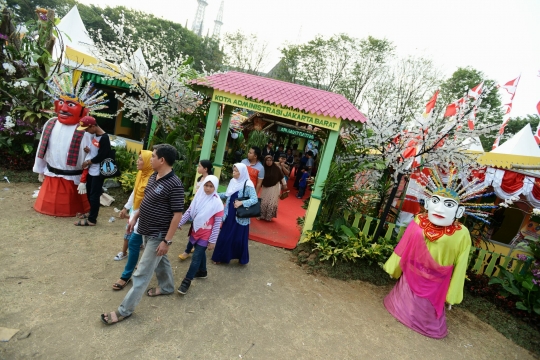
point(430, 262)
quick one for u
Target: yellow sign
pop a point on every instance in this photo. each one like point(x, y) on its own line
point(285, 112)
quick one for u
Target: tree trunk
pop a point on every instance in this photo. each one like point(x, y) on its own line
point(380, 228)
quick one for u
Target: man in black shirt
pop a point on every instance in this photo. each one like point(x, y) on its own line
point(158, 218)
point(97, 152)
point(268, 149)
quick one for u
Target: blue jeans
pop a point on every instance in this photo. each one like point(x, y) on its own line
point(134, 246)
point(198, 261)
point(189, 246)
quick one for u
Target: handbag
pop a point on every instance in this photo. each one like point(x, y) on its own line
point(248, 212)
point(284, 195)
point(108, 167)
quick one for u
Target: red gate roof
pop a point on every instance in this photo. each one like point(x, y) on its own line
point(278, 92)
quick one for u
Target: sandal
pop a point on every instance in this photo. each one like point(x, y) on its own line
point(153, 292)
point(118, 286)
point(120, 256)
point(85, 223)
point(82, 215)
point(113, 318)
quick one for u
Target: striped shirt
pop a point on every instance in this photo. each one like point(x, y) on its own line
point(162, 198)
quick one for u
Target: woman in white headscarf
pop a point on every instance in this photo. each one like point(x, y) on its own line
point(206, 212)
point(232, 242)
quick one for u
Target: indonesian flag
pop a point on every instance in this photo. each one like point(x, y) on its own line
point(472, 118)
point(452, 109)
point(476, 91)
point(431, 104)
point(511, 86)
point(537, 134)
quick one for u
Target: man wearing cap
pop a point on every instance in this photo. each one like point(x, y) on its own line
point(60, 152)
point(97, 152)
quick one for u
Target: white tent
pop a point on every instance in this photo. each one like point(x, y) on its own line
point(474, 144)
point(522, 143)
point(73, 33)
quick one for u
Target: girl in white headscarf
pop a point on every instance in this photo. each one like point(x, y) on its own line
point(232, 242)
point(206, 212)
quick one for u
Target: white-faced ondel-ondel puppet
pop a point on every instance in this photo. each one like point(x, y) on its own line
point(60, 153)
point(431, 257)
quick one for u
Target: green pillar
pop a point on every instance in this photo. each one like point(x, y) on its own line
point(222, 140)
point(324, 163)
point(210, 130)
point(209, 133)
point(322, 174)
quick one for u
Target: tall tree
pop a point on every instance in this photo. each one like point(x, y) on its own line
point(244, 53)
point(457, 86)
point(178, 40)
point(517, 123)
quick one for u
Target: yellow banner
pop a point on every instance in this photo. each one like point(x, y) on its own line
point(285, 112)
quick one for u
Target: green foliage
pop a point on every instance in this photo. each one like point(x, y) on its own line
point(257, 138)
point(346, 243)
point(126, 160)
point(519, 122)
point(127, 180)
point(27, 63)
point(186, 136)
point(459, 83)
point(179, 40)
point(522, 285)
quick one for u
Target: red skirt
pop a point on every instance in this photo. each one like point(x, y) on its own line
point(59, 197)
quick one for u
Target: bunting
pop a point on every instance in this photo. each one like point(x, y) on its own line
point(431, 104)
point(510, 87)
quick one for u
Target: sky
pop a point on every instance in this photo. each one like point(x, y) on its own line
point(501, 38)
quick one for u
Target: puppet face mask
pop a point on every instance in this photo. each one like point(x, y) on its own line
point(442, 210)
point(69, 112)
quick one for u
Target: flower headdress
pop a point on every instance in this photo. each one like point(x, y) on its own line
point(457, 190)
point(63, 87)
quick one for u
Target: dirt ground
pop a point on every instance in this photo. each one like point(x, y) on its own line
point(56, 280)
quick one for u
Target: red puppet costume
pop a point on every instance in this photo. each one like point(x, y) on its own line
point(60, 153)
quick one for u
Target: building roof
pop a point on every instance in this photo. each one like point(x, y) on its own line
point(278, 92)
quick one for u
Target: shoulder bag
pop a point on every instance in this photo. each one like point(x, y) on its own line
point(248, 212)
point(108, 167)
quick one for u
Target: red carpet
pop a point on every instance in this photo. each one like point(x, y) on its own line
point(281, 231)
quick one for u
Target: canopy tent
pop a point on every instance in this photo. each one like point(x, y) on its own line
point(507, 181)
point(73, 34)
point(292, 103)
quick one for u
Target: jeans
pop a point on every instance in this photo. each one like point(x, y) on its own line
point(198, 261)
point(134, 245)
point(189, 246)
point(94, 188)
point(149, 263)
point(301, 191)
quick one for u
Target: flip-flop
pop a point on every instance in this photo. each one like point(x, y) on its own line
point(85, 223)
point(113, 318)
point(117, 286)
point(152, 292)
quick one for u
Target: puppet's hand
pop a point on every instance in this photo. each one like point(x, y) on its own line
point(41, 177)
point(82, 188)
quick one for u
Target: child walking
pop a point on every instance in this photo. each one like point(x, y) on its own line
point(302, 184)
point(205, 168)
point(206, 211)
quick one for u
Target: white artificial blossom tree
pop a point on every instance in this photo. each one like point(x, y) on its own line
point(157, 81)
point(402, 144)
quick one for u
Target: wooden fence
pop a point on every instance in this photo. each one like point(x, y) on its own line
point(481, 261)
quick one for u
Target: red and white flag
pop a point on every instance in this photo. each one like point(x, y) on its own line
point(537, 133)
point(511, 86)
point(472, 118)
point(476, 91)
point(431, 104)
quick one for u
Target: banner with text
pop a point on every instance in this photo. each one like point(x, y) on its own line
point(295, 132)
point(285, 112)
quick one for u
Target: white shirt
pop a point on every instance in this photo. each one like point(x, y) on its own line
point(58, 149)
point(94, 148)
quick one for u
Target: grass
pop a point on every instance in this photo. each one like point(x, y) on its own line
point(511, 327)
point(16, 176)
